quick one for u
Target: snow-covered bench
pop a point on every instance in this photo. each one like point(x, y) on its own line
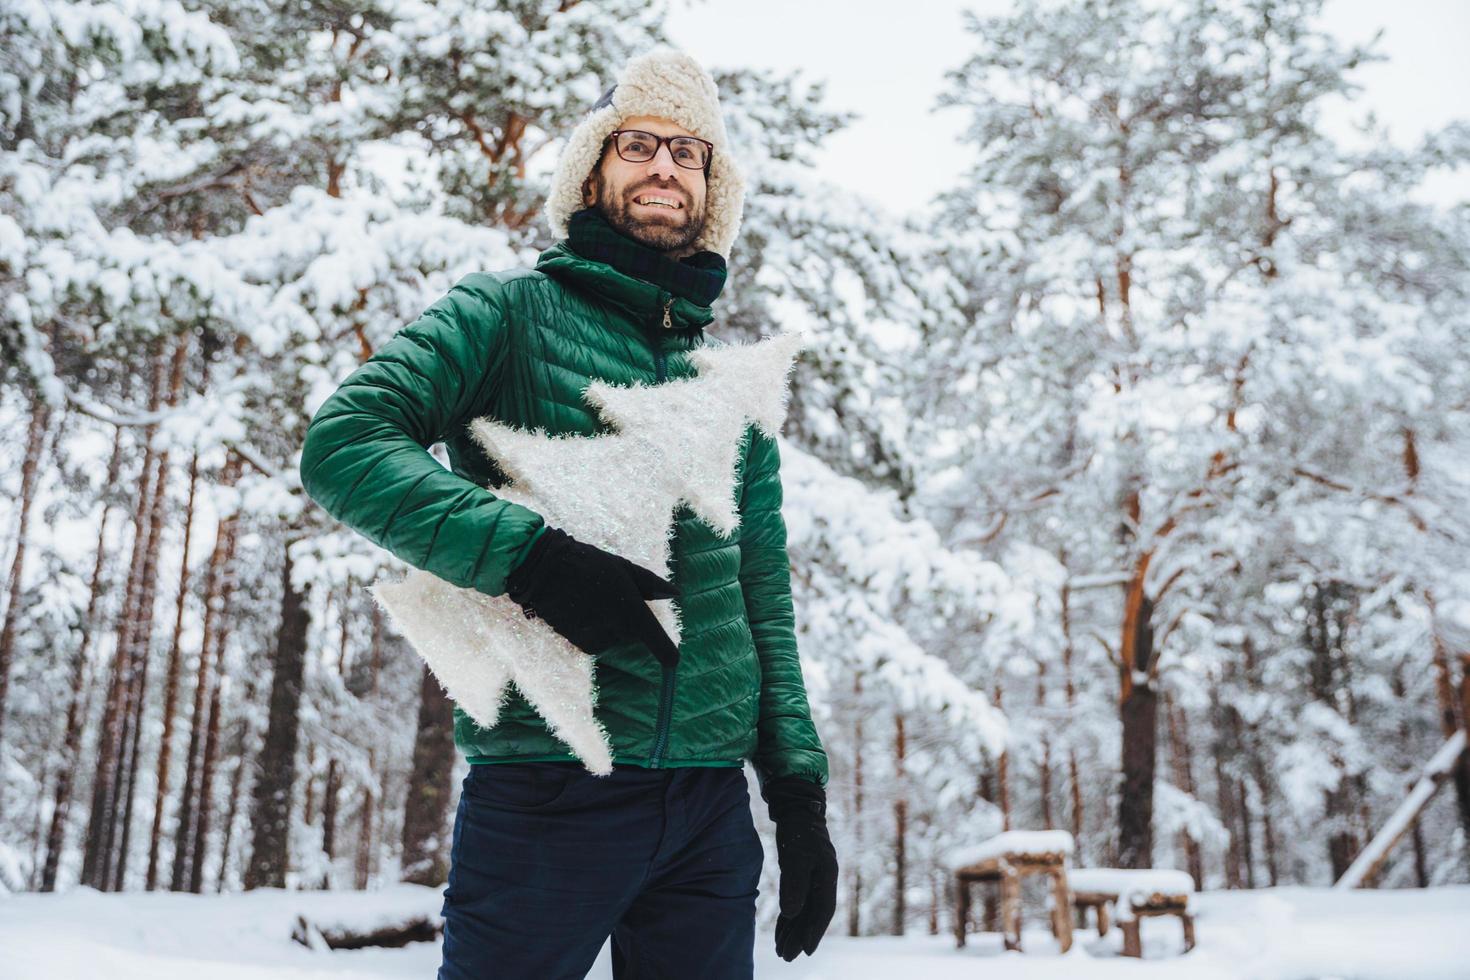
point(1005, 859)
point(1133, 895)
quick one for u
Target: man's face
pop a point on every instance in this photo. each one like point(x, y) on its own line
point(617, 187)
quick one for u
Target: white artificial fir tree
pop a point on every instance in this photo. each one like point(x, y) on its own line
point(678, 442)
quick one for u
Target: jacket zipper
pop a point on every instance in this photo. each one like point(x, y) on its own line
point(666, 698)
point(666, 702)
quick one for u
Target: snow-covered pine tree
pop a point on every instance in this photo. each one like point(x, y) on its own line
point(1214, 357)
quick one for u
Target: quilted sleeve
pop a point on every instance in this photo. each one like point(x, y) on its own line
point(365, 459)
point(787, 743)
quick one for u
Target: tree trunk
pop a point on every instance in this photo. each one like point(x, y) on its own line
point(1268, 827)
point(1044, 776)
point(1247, 837)
point(143, 639)
point(430, 786)
point(215, 594)
point(1135, 809)
point(900, 828)
point(364, 863)
point(329, 815)
point(97, 857)
point(1002, 768)
point(270, 814)
point(1179, 752)
point(171, 688)
point(1224, 799)
point(78, 702)
point(1139, 711)
point(1453, 711)
point(1073, 770)
point(855, 903)
point(1462, 768)
point(35, 444)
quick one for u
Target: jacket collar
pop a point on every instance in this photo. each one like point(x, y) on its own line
point(642, 301)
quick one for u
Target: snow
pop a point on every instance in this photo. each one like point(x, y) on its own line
point(1163, 881)
point(1013, 842)
point(1133, 887)
point(1270, 934)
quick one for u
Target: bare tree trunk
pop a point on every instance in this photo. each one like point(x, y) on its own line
point(1044, 776)
point(1247, 837)
point(1324, 637)
point(270, 812)
point(1002, 768)
point(171, 688)
point(35, 445)
point(1462, 769)
point(215, 592)
point(365, 837)
point(1224, 798)
point(1454, 711)
point(936, 896)
point(900, 827)
point(1184, 778)
point(1073, 770)
point(1139, 711)
point(1421, 865)
point(854, 905)
point(430, 786)
point(237, 779)
point(364, 862)
point(1268, 827)
point(204, 812)
point(329, 815)
point(97, 857)
point(143, 643)
point(80, 688)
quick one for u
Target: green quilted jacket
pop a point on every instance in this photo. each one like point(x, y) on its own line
point(520, 346)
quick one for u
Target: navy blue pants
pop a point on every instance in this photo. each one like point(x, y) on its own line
point(548, 860)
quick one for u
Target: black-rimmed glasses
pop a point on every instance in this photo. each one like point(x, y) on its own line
point(638, 146)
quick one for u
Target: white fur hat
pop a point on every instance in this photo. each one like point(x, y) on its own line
point(667, 83)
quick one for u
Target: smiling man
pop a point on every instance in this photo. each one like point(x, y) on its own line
point(548, 860)
point(650, 196)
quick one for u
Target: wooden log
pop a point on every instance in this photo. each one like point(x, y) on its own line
point(416, 930)
point(961, 910)
point(1370, 860)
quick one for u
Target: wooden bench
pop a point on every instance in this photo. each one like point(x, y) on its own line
point(1133, 895)
point(1004, 860)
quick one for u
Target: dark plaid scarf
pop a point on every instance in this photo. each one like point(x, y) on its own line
point(698, 277)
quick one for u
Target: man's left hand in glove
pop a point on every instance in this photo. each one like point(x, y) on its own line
point(808, 863)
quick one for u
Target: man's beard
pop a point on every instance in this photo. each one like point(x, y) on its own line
point(653, 232)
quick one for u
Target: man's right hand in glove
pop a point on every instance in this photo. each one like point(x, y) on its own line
point(592, 597)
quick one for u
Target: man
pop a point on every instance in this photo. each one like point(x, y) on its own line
point(547, 860)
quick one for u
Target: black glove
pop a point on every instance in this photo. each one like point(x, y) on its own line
point(593, 598)
point(808, 863)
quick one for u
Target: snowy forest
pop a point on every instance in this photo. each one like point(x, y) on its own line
point(1127, 486)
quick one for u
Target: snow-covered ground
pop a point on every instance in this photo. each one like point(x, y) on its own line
point(1288, 933)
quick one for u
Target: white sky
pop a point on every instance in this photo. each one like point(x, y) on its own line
point(887, 61)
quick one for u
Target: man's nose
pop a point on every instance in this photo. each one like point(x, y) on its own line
point(663, 163)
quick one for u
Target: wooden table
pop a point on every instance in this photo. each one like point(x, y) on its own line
point(1133, 895)
point(1005, 863)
